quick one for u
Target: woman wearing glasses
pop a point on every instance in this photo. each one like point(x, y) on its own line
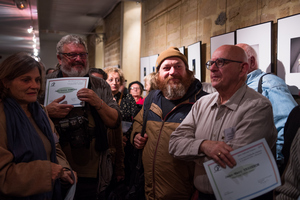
point(136, 89)
point(128, 110)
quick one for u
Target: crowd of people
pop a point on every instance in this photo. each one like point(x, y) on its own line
point(61, 151)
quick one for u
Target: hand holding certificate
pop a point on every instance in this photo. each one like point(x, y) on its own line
point(69, 87)
point(255, 173)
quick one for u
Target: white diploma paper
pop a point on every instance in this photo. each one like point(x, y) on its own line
point(58, 87)
point(256, 173)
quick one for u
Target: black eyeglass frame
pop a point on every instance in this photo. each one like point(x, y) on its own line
point(73, 56)
point(223, 60)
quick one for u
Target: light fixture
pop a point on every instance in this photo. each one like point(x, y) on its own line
point(21, 4)
point(30, 29)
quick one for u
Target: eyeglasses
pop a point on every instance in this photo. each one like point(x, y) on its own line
point(135, 88)
point(73, 56)
point(219, 62)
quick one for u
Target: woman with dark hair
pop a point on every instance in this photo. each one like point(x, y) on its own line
point(136, 89)
point(28, 145)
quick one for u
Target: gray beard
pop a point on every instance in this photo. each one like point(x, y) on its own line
point(174, 91)
point(74, 73)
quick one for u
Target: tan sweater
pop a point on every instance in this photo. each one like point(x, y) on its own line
point(23, 179)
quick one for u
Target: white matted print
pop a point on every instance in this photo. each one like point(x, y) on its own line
point(260, 38)
point(143, 70)
point(182, 50)
point(288, 51)
point(194, 59)
point(219, 40)
point(152, 64)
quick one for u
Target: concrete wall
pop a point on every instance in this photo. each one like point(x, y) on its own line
point(184, 22)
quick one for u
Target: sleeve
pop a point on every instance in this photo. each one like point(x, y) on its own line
point(282, 102)
point(115, 139)
point(256, 123)
point(290, 189)
point(22, 179)
point(183, 144)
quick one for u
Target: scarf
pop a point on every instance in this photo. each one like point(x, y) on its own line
point(24, 141)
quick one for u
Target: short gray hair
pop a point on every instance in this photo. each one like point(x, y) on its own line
point(70, 39)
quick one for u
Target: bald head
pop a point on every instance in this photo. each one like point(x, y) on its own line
point(231, 52)
point(251, 56)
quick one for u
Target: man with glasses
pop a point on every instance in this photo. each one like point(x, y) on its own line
point(83, 130)
point(218, 123)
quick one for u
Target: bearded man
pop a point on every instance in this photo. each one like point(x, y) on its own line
point(165, 176)
point(83, 130)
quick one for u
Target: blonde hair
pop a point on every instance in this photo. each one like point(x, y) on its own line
point(109, 70)
point(151, 80)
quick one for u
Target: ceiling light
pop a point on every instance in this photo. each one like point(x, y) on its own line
point(30, 29)
point(21, 4)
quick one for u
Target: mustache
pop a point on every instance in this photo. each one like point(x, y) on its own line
point(78, 63)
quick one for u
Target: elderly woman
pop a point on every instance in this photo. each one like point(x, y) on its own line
point(150, 82)
point(29, 153)
point(128, 110)
point(136, 89)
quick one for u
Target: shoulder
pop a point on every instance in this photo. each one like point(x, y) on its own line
point(274, 81)
point(256, 98)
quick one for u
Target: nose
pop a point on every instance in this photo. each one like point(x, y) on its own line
point(35, 84)
point(172, 70)
point(213, 67)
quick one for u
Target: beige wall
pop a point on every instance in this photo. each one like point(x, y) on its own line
point(184, 22)
point(131, 40)
point(112, 45)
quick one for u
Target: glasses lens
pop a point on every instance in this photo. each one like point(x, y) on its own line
point(219, 62)
point(73, 56)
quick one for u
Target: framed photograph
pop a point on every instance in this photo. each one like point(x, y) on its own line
point(288, 51)
point(145, 64)
point(260, 38)
point(194, 59)
point(219, 40)
point(152, 63)
point(182, 50)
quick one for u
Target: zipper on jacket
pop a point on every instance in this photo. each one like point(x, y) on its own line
point(154, 157)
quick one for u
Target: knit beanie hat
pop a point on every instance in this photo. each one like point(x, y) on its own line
point(170, 52)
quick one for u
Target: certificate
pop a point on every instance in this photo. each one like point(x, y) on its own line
point(69, 87)
point(256, 173)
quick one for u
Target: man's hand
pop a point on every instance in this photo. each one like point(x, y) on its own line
point(56, 171)
point(89, 96)
point(57, 110)
point(139, 141)
point(67, 176)
point(219, 151)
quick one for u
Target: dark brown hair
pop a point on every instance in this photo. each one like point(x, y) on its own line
point(15, 66)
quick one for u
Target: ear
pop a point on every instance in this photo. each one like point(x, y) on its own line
point(244, 69)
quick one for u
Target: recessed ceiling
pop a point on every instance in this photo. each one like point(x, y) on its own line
point(50, 19)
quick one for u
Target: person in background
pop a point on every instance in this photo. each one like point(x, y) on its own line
point(83, 130)
point(136, 89)
point(290, 188)
point(98, 73)
point(275, 89)
point(115, 79)
point(50, 70)
point(225, 120)
point(165, 176)
point(150, 82)
point(290, 129)
point(32, 163)
point(115, 141)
